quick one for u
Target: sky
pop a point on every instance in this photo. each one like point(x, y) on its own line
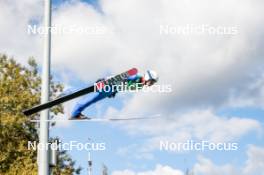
point(217, 79)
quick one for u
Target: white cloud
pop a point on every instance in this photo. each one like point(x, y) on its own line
point(204, 166)
point(15, 16)
point(255, 162)
point(164, 170)
point(196, 125)
point(204, 70)
point(139, 152)
point(252, 94)
point(253, 166)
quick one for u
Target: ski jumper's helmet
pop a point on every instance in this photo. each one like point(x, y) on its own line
point(151, 75)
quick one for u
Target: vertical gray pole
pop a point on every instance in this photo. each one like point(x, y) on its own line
point(43, 159)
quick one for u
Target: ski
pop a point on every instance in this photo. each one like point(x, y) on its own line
point(100, 119)
point(110, 81)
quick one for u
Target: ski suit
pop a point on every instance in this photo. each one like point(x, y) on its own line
point(97, 96)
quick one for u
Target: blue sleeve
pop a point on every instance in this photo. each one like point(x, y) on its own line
point(133, 77)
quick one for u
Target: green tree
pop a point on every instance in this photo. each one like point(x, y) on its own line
point(20, 88)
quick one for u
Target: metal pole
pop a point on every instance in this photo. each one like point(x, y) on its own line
point(43, 159)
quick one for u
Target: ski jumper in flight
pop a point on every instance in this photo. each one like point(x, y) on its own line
point(150, 77)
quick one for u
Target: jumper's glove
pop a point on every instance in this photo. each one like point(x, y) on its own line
point(100, 79)
point(113, 94)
